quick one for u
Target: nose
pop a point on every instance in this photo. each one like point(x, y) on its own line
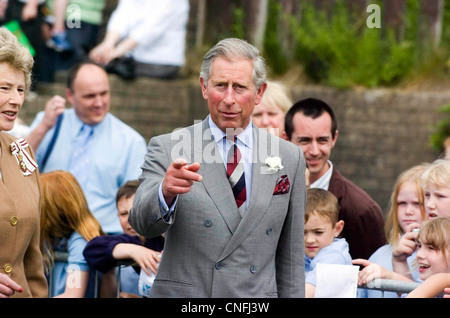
point(98, 100)
point(15, 98)
point(229, 96)
point(313, 149)
point(265, 120)
point(429, 202)
point(309, 238)
point(419, 253)
point(409, 210)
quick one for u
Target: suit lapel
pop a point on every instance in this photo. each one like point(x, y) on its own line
point(215, 180)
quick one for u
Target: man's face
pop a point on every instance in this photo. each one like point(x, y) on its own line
point(315, 139)
point(90, 96)
point(231, 93)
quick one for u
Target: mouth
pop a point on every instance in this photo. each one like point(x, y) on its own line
point(423, 267)
point(313, 162)
point(10, 115)
point(229, 115)
point(432, 215)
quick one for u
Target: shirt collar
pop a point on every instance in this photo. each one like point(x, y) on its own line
point(245, 137)
point(324, 181)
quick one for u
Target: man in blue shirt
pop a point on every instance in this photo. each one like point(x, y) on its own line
point(115, 150)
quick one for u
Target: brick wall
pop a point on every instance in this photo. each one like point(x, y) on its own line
point(381, 132)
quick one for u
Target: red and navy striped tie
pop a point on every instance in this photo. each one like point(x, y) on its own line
point(235, 173)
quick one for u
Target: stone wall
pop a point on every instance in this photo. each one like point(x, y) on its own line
point(381, 132)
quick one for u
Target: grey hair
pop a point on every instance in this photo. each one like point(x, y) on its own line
point(231, 48)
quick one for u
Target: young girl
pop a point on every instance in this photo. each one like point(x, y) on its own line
point(433, 254)
point(406, 209)
point(67, 225)
point(436, 185)
point(432, 258)
point(436, 182)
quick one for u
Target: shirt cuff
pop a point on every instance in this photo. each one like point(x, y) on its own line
point(166, 212)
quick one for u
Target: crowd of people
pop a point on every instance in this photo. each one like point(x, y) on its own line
point(253, 207)
point(63, 32)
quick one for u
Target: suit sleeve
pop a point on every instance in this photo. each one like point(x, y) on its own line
point(291, 248)
point(146, 215)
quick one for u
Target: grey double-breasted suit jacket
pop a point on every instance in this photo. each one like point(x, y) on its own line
point(210, 249)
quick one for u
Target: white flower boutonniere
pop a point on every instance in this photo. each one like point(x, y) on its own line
point(274, 164)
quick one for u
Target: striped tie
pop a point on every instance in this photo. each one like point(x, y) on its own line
point(235, 173)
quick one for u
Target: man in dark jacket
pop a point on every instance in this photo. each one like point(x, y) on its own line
point(312, 125)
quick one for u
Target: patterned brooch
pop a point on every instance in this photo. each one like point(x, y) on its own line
point(26, 164)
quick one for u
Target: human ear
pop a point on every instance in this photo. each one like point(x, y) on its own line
point(339, 226)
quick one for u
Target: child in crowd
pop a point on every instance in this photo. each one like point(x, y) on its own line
point(66, 225)
point(103, 253)
point(436, 185)
point(322, 227)
point(433, 255)
point(406, 207)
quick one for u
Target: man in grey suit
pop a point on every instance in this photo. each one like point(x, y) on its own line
point(229, 196)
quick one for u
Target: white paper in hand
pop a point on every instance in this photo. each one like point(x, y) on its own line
point(336, 281)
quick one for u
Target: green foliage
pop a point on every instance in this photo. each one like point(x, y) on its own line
point(442, 129)
point(273, 51)
point(338, 49)
point(238, 23)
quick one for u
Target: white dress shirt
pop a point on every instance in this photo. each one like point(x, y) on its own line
point(159, 28)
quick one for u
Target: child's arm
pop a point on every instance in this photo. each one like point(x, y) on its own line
point(373, 270)
point(76, 284)
point(432, 286)
point(402, 250)
point(310, 290)
point(145, 257)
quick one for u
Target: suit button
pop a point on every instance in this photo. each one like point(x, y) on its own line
point(7, 268)
point(269, 231)
point(208, 223)
point(219, 265)
point(13, 221)
point(252, 269)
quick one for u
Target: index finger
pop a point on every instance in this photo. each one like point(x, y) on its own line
point(179, 163)
point(8, 282)
point(361, 261)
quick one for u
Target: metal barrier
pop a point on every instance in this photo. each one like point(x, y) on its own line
point(60, 256)
point(382, 285)
point(396, 286)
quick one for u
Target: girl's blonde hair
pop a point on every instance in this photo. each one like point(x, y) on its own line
point(392, 229)
point(16, 55)
point(436, 232)
point(64, 210)
point(437, 174)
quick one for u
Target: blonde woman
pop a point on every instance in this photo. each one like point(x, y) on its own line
point(67, 225)
point(269, 113)
point(21, 270)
